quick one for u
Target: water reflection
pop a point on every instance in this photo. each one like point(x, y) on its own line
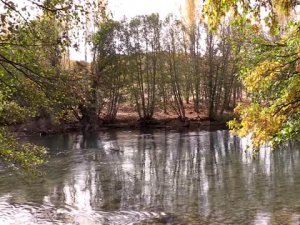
point(164, 177)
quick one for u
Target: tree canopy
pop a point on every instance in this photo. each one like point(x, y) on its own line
point(270, 67)
point(34, 38)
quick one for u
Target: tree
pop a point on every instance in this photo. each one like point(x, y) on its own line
point(270, 70)
point(109, 66)
point(31, 73)
point(27, 76)
point(175, 58)
point(194, 27)
point(272, 81)
point(142, 48)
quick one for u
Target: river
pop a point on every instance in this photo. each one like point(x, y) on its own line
point(157, 177)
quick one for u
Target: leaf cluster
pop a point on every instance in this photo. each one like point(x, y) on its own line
point(21, 155)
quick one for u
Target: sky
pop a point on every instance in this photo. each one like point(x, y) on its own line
point(131, 8)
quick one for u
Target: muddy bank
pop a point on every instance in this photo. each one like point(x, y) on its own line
point(170, 124)
point(48, 126)
point(126, 119)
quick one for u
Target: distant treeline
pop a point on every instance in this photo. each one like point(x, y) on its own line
point(154, 64)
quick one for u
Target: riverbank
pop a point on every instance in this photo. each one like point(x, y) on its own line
point(127, 118)
point(46, 126)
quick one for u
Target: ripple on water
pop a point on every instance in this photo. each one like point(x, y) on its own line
point(46, 214)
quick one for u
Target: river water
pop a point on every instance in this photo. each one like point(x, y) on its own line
point(157, 177)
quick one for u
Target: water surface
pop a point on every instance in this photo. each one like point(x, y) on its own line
point(157, 177)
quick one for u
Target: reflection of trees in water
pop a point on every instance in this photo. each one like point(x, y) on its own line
point(97, 179)
point(206, 173)
point(201, 173)
point(181, 170)
point(25, 188)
